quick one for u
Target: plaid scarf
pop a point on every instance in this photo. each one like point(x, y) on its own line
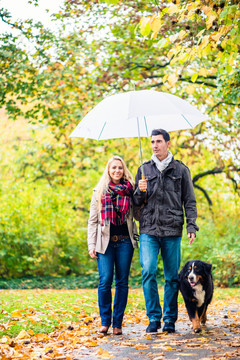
point(116, 203)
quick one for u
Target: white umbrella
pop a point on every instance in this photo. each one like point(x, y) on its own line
point(136, 114)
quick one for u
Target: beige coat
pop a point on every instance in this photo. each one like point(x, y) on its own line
point(98, 236)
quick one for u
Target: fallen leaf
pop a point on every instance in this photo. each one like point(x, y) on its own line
point(16, 314)
point(23, 335)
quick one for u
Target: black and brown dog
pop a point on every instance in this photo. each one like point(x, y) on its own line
point(196, 286)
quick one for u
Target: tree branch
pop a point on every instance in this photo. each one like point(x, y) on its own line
point(201, 82)
point(148, 67)
point(4, 19)
point(222, 103)
point(209, 172)
point(212, 172)
point(204, 192)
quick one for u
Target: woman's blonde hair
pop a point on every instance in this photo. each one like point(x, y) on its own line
point(105, 179)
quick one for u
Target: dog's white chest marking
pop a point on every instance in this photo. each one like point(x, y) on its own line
point(199, 294)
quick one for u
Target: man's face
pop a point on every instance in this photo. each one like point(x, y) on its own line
point(160, 146)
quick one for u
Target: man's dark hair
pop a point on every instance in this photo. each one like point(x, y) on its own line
point(162, 132)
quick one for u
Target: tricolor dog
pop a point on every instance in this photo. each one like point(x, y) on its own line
point(196, 286)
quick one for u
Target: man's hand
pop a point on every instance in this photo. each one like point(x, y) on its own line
point(191, 237)
point(93, 254)
point(142, 184)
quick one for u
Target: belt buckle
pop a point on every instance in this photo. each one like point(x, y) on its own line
point(114, 238)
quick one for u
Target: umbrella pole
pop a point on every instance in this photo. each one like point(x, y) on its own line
point(140, 149)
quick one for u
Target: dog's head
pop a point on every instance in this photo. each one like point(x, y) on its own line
point(196, 271)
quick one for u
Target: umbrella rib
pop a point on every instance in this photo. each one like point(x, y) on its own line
point(140, 148)
point(146, 125)
point(187, 121)
point(102, 130)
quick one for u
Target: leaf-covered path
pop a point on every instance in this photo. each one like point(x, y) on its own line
point(79, 340)
point(218, 340)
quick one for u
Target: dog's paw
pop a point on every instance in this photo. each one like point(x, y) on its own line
point(197, 330)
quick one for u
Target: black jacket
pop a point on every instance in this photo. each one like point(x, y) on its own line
point(167, 193)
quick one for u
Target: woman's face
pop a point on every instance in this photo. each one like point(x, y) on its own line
point(116, 171)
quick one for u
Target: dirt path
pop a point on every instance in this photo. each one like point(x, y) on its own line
point(220, 339)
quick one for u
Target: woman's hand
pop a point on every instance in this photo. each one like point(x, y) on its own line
point(93, 254)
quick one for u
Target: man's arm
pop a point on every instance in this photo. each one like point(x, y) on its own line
point(189, 202)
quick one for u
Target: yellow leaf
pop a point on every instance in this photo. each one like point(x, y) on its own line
point(172, 79)
point(182, 34)
point(145, 26)
point(141, 346)
point(40, 337)
point(200, 33)
point(155, 24)
point(215, 37)
point(47, 348)
point(154, 35)
point(173, 9)
point(206, 9)
point(186, 354)
point(203, 72)
point(210, 20)
point(104, 354)
point(190, 89)
point(204, 42)
point(169, 348)
point(213, 71)
point(165, 78)
point(4, 340)
point(194, 77)
point(16, 313)
point(91, 344)
point(23, 335)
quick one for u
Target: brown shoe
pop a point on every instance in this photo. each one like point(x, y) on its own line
point(117, 331)
point(104, 330)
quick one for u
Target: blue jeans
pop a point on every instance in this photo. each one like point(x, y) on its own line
point(170, 248)
point(119, 255)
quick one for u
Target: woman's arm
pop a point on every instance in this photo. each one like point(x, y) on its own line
point(93, 226)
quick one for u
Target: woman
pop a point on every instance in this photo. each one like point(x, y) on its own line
point(111, 240)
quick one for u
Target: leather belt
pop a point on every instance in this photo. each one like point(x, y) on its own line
point(118, 237)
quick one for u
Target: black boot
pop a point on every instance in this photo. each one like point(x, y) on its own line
point(153, 326)
point(169, 327)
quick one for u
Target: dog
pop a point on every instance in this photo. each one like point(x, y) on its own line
point(196, 287)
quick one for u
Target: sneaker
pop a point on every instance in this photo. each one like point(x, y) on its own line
point(153, 326)
point(169, 327)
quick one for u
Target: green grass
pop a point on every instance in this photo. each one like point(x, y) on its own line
point(43, 311)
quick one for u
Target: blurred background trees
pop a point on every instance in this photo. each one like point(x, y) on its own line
point(51, 77)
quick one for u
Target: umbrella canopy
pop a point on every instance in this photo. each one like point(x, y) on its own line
point(136, 114)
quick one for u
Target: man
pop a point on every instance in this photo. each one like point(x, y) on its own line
point(166, 189)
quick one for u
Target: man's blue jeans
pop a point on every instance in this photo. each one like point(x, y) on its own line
point(170, 248)
point(119, 255)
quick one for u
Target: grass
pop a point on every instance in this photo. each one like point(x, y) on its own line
point(89, 281)
point(43, 311)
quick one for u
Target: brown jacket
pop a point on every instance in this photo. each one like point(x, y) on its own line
point(98, 236)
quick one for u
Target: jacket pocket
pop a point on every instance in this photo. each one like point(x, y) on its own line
point(172, 183)
point(146, 218)
point(178, 216)
point(151, 185)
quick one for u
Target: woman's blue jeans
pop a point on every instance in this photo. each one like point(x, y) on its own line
point(170, 248)
point(119, 256)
